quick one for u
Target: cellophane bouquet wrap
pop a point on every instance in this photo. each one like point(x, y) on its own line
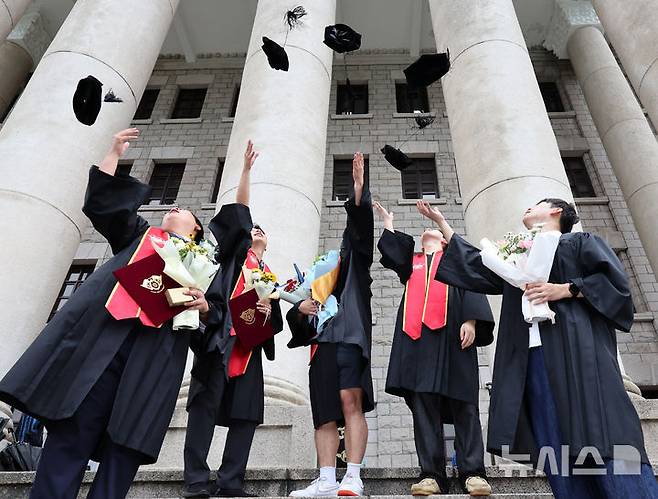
point(293, 291)
point(523, 258)
point(190, 264)
point(320, 281)
point(263, 282)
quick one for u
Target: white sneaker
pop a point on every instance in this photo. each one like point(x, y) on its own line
point(320, 487)
point(350, 485)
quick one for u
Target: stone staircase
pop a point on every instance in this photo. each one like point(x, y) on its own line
point(381, 483)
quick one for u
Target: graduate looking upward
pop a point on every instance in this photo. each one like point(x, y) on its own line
point(560, 384)
point(433, 363)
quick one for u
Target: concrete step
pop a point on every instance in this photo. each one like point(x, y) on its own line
point(273, 482)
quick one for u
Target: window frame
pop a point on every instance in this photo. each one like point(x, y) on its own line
point(577, 189)
point(84, 271)
point(141, 101)
point(363, 91)
point(406, 106)
point(345, 163)
point(178, 114)
point(418, 181)
point(165, 199)
point(214, 194)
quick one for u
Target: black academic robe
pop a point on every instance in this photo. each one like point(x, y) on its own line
point(245, 395)
point(353, 321)
point(580, 349)
point(56, 372)
point(435, 362)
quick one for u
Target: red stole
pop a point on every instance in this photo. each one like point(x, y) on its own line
point(120, 304)
point(425, 298)
point(240, 356)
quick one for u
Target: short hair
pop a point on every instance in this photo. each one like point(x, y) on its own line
point(198, 237)
point(568, 217)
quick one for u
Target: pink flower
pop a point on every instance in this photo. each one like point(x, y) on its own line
point(525, 244)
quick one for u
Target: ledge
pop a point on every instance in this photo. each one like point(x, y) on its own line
point(208, 206)
point(414, 115)
point(178, 121)
point(228, 119)
point(142, 122)
point(409, 202)
point(334, 204)
point(562, 114)
point(157, 207)
point(458, 200)
point(643, 317)
point(351, 116)
point(600, 200)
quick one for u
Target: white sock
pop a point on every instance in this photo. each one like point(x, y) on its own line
point(355, 469)
point(328, 473)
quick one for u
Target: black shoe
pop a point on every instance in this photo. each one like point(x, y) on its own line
point(233, 493)
point(197, 490)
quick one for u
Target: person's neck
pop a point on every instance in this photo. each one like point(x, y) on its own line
point(177, 231)
point(551, 226)
point(258, 250)
point(431, 248)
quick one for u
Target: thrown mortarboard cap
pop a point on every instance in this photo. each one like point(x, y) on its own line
point(110, 97)
point(341, 38)
point(396, 158)
point(87, 100)
point(427, 69)
point(276, 55)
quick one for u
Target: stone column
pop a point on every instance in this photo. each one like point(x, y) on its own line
point(624, 130)
point(10, 13)
point(506, 153)
point(632, 28)
point(285, 114)
point(46, 152)
point(15, 64)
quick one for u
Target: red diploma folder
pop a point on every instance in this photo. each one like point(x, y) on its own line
point(146, 283)
point(251, 326)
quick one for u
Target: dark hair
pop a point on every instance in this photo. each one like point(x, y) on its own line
point(568, 217)
point(199, 233)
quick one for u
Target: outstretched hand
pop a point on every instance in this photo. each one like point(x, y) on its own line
point(250, 156)
point(358, 173)
point(120, 144)
point(386, 216)
point(428, 211)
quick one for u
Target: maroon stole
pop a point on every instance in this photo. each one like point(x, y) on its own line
point(120, 304)
point(240, 356)
point(425, 298)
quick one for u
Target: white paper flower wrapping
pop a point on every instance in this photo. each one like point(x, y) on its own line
point(194, 271)
point(533, 266)
point(295, 296)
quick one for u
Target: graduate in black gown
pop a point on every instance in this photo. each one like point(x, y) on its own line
point(227, 386)
point(339, 377)
point(433, 363)
point(561, 385)
point(105, 388)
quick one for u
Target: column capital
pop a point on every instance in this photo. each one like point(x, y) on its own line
point(568, 16)
point(30, 34)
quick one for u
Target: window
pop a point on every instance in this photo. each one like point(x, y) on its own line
point(146, 105)
point(343, 182)
point(411, 99)
point(579, 181)
point(165, 182)
point(352, 99)
point(218, 180)
point(74, 279)
point(419, 181)
point(551, 95)
point(124, 168)
point(234, 102)
point(189, 103)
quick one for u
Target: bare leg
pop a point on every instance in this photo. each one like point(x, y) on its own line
point(356, 427)
point(326, 443)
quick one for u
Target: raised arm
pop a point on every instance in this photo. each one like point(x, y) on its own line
point(396, 248)
point(242, 196)
point(359, 232)
point(111, 202)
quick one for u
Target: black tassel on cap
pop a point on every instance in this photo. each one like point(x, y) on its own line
point(293, 17)
point(424, 121)
point(110, 97)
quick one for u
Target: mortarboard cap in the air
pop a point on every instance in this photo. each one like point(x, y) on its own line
point(276, 55)
point(396, 158)
point(427, 69)
point(341, 38)
point(87, 100)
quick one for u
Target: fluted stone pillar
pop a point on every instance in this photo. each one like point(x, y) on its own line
point(10, 13)
point(285, 114)
point(15, 65)
point(46, 152)
point(632, 28)
point(625, 133)
point(506, 153)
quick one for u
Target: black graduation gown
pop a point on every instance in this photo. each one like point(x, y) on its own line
point(245, 395)
point(56, 372)
point(353, 321)
point(435, 362)
point(580, 349)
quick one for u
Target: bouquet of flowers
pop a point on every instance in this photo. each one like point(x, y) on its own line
point(190, 264)
point(521, 259)
point(320, 281)
point(293, 291)
point(263, 282)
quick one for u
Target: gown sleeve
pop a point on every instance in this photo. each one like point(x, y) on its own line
point(604, 283)
point(277, 325)
point(397, 249)
point(475, 306)
point(111, 204)
point(461, 266)
point(302, 330)
point(232, 229)
point(359, 232)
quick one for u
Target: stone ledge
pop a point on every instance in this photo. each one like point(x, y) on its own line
point(352, 116)
point(409, 202)
point(178, 121)
point(599, 200)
